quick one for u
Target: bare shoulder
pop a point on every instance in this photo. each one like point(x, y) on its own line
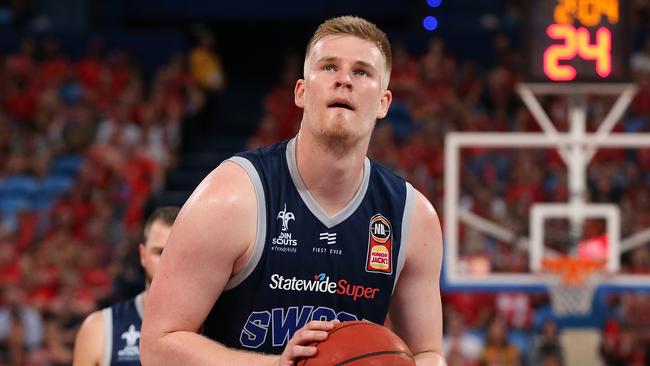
point(223, 202)
point(89, 343)
point(94, 322)
point(423, 207)
point(228, 184)
point(426, 224)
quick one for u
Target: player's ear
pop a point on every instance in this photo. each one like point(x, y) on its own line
point(299, 93)
point(384, 103)
point(142, 250)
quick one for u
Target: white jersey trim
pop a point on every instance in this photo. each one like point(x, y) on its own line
point(107, 314)
point(310, 202)
point(406, 228)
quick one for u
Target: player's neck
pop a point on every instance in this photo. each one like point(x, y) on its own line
point(332, 178)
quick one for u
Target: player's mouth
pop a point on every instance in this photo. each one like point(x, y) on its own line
point(341, 103)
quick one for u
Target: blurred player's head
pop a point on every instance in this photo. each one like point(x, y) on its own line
point(346, 74)
point(156, 232)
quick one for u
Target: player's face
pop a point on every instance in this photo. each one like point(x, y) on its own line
point(342, 93)
point(152, 249)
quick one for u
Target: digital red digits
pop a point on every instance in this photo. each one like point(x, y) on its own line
point(558, 52)
point(601, 51)
point(577, 42)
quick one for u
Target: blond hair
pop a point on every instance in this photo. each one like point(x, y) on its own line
point(358, 27)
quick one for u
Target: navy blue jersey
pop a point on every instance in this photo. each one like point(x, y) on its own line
point(307, 265)
point(122, 323)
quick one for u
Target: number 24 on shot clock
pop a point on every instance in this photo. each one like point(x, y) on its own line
point(578, 40)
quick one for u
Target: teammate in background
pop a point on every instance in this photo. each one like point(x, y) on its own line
point(110, 336)
point(277, 244)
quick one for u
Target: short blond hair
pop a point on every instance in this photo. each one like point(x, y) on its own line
point(358, 27)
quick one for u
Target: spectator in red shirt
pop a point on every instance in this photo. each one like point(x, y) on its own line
point(54, 66)
point(405, 75)
point(20, 102)
point(280, 103)
point(20, 65)
point(89, 67)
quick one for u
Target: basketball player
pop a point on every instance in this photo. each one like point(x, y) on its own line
point(110, 336)
point(277, 244)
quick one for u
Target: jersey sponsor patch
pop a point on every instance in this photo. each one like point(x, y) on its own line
point(323, 284)
point(380, 249)
point(284, 242)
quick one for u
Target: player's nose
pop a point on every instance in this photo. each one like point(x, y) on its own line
point(343, 79)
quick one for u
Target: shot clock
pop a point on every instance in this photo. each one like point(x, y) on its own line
point(578, 41)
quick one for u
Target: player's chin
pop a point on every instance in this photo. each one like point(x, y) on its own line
point(338, 132)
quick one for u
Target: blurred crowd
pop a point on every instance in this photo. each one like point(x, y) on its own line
point(84, 143)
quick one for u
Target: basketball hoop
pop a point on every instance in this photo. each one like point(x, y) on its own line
point(572, 283)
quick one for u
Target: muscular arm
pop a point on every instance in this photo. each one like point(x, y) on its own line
point(213, 231)
point(416, 312)
point(89, 344)
point(210, 241)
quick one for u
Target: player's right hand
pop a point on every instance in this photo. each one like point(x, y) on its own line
point(299, 345)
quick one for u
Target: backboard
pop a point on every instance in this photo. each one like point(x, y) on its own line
point(473, 232)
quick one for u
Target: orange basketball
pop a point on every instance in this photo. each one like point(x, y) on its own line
point(360, 343)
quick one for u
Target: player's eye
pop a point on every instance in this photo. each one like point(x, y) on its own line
point(361, 73)
point(329, 67)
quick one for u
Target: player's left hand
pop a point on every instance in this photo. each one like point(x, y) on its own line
point(299, 345)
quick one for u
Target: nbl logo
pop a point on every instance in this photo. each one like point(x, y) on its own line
point(380, 229)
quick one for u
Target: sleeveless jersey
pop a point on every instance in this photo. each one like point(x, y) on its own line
point(307, 265)
point(122, 323)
